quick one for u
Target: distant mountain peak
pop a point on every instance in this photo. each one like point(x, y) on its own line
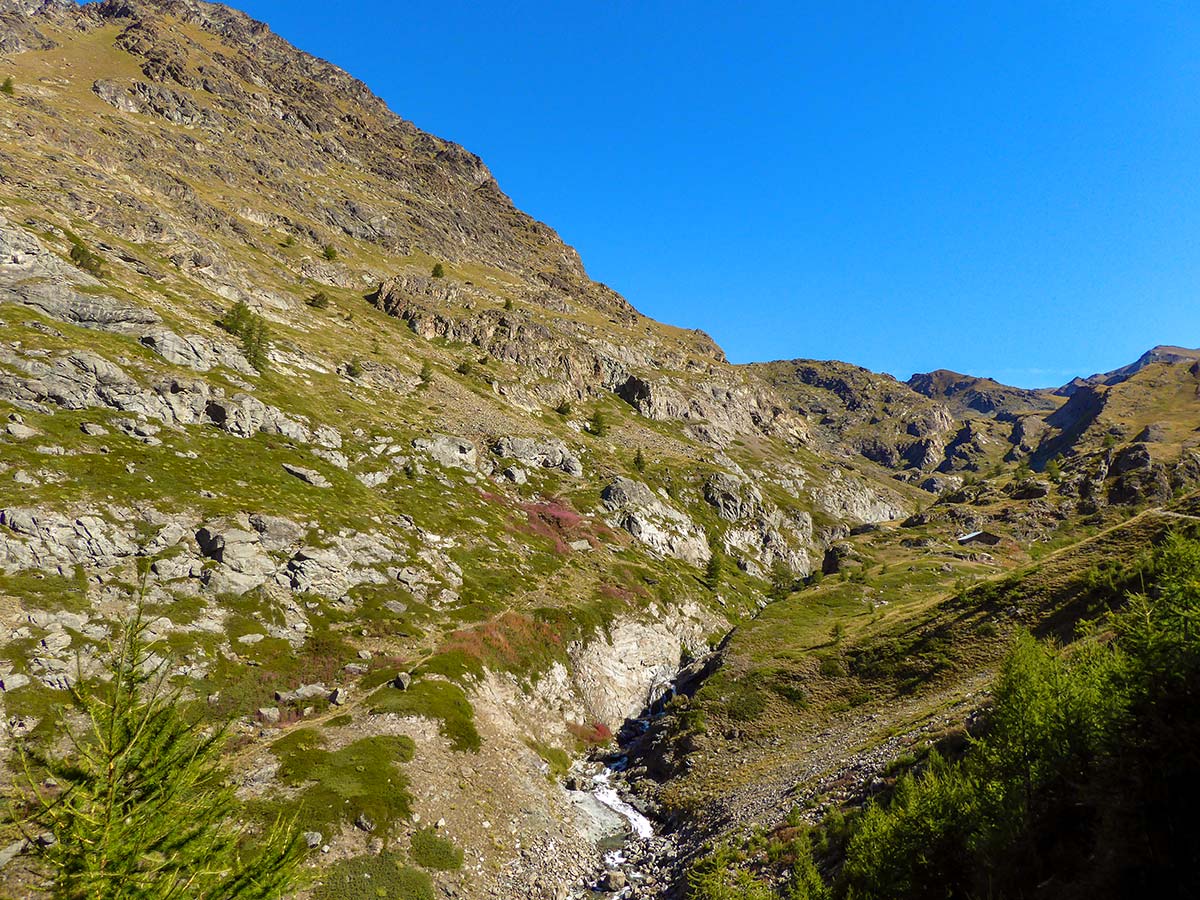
point(970, 393)
point(1163, 353)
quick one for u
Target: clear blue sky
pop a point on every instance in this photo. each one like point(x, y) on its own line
point(1009, 189)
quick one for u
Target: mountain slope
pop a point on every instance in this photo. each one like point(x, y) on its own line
point(358, 417)
point(393, 466)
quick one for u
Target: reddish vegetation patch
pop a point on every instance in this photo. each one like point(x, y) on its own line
point(555, 519)
point(390, 663)
point(593, 735)
point(289, 714)
point(510, 642)
point(622, 592)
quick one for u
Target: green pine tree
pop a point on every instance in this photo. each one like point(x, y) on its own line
point(639, 460)
point(713, 572)
point(782, 580)
point(7, 87)
point(242, 322)
point(140, 806)
point(236, 319)
point(598, 425)
point(90, 262)
point(438, 271)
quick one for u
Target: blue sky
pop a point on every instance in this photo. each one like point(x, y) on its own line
point(1009, 189)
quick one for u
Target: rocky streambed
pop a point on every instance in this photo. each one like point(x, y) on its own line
point(641, 854)
point(637, 855)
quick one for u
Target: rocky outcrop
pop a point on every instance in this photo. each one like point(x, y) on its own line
point(351, 559)
point(83, 380)
point(761, 534)
point(732, 499)
point(41, 539)
point(451, 452)
point(661, 527)
point(545, 454)
point(33, 276)
point(620, 673)
point(968, 394)
point(723, 408)
point(244, 562)
point(308, 476)
point(882, 419)
point(577, 357)
point(848, 498)
point(196, 352)
point(157, 100)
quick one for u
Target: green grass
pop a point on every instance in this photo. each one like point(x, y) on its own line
point(362, 778)
point(432, 851)
point(440, 700)
point(558, 760)
point(276, 665)
point(382, 877)
point(40, 590)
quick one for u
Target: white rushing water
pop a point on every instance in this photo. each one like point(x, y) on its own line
point(605, 794)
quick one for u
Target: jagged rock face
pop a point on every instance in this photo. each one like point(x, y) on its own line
point(583, 361)
point(724, 409)
point(968, 394)
point(655, 523)
point(451, 452)
point(196, 352)
point(39, 539)
point(546, 454)
point(846, 497)
point(761, 533)
point(732, 499)
point(883, 420)
point(31, 275)
point(83, 380)
point(620, 677)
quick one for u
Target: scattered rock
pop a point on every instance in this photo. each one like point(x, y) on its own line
point(304, 692)
point(614, 880)
point(13, 681)
point(452, 452)
point(312, 476)
point(546, 454)
point(1031, 489)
